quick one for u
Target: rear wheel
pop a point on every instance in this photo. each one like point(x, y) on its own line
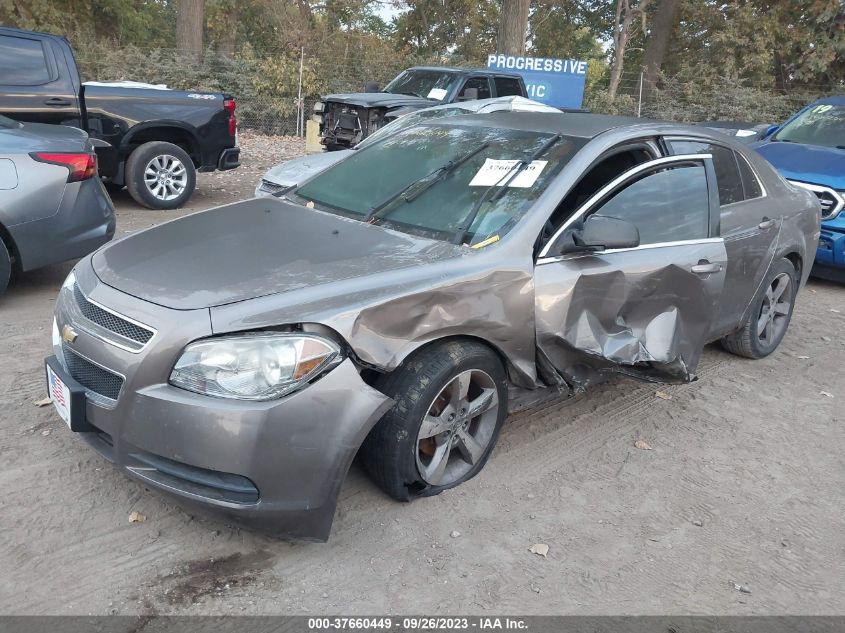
point(770, 314)
point(5, 267)
point(160, 175)
point(450, 403)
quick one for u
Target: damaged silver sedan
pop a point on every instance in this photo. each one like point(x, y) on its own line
point(399, 304)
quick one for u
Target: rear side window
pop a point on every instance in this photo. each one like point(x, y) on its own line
point(750, 183)
point(22, 62)
point(666, 205)
point(725, 164)
point(507, 87)
point(479, 83)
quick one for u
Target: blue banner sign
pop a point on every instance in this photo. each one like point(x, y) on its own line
point(556, 82)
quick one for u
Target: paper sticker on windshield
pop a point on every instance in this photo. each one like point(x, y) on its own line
point(494, 172)
point(436, 93)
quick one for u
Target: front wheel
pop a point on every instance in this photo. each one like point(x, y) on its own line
point(450, 401)
point(769, 316)
point(160, 175)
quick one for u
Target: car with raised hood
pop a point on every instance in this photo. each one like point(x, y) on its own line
point(347, 119)
point(399, 304)
point(149, 138)
point(809, 151)
point(284, 176)
point(52, 205)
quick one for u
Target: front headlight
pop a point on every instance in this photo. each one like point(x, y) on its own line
point(253, 366)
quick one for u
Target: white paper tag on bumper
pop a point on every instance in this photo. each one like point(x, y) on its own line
point(494, 171)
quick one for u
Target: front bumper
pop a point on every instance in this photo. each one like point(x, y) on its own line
point(830, 254)
point(276, 466)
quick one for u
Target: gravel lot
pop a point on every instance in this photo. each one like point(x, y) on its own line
point(744, 487)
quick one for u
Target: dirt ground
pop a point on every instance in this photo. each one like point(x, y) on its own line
point(745, 486)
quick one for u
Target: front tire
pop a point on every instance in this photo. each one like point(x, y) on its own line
point(769, 316)
point(450, 401)
point(160, 175)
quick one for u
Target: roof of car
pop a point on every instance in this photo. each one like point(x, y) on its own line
point(458, 70)
point(572, 124)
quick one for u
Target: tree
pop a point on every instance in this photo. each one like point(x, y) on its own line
point(663, 25)
point(513, 27)
point(462, 30)
point(623, 28)
point(190, 24)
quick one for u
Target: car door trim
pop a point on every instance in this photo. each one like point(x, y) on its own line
point(642, 247)
point(613, 184)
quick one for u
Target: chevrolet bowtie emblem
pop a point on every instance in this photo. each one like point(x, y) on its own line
point(69, 334)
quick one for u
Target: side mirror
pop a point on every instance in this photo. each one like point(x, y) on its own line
point(600, 232)
point(469, 94)
point(371, 86)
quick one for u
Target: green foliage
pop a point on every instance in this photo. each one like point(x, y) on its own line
point(753, 60)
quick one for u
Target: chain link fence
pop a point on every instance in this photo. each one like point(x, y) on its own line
point(276, 93)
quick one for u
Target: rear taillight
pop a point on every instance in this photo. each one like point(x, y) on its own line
point(80, 166)
point(229, 106)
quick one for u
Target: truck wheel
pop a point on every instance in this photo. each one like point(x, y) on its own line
point(5, 267)
point(160, 175)
point(450, 401)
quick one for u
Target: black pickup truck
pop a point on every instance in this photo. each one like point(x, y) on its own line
point(347, 119)
point(150, 139)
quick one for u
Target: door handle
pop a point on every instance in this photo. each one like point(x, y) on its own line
point(765, 224)
point(706, 268)
point(57, 102)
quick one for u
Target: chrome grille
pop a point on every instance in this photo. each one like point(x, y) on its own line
point(828, 203)
point(101, 382)
point(832, 201)
point(110, 321)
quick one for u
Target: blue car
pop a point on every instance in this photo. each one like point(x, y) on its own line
point(809, 151)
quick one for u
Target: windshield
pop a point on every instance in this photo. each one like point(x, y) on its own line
point(8, 123)
point(820, 125)
point(430, 84)
point(410, 120)
point(404, 164)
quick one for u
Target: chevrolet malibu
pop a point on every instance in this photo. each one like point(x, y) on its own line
point(399, 304)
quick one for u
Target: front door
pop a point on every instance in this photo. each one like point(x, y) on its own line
point(647, 310)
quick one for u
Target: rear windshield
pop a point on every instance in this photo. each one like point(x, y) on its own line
point(440, 208)
point(818, 125)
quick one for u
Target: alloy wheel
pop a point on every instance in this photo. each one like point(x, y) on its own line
point(458, 427)
point(166, 177)
point(774, 313)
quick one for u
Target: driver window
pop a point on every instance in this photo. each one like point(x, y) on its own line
point(481, 84)
point(666, 205)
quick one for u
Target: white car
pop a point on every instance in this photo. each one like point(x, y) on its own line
point(284, 176)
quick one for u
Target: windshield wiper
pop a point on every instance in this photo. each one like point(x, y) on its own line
point(503, 182)
point(378, 211)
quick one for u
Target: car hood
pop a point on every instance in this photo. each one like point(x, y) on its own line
point(252, 249)
point(297, 170)
point(380, 100)
point(807, 163)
